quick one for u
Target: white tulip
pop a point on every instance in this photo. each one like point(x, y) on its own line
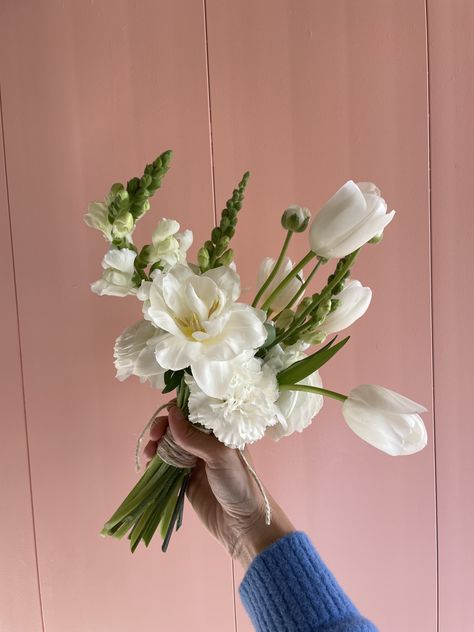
point(202, 325)
point(118, 272)
point(134, 355)
point(385, 419)
point(354, 302)
point(350, 218)
point(169, 245)
point(285, 296)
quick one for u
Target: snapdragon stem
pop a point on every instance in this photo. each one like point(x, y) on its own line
point(299, 322)
point(287, 279)
point(275, 269)
point(313, 389)
point(302, 289)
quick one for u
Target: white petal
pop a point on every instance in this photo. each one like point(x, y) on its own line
point(201, 294)
point(175, 353)
point(385, 400)
point(227, 280)
point(166, 228)
point(213, 378)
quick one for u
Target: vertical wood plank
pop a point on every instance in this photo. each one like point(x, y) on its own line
point(451, 59)
point(93, 91)
point(20, 607)
point(307, 95)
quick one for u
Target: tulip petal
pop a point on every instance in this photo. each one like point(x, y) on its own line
point(227, 280)
point(212, 377)
point(175, 353)
point(385, 400)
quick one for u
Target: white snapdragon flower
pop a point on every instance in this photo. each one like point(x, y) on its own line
point(354, 215)
point(246, 408)
point(169, 245)
point(118, 272)
point(297, 407)
point(134, 355)
point(97, 217)
point(201, 324)
point(285, 296)
point(354, 302)
point(385, 419)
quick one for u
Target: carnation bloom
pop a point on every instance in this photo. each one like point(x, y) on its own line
point(385, 419)
point(118, 272)
point(201, 324)
point(297, 407)
point(246, 408)
point(354, 215)
point(169, 245)
point(285, 296)
point(134, 355)
point(354, 300)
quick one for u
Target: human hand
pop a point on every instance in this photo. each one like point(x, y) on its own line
point(222, 491)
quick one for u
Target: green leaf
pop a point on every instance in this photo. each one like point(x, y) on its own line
point(301, 369)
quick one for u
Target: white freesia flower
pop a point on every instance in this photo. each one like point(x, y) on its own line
point(169, 245)
point(246, 408)
point(385, 419)
point(350, 218)
point(97, 217)
point(297, 407)
point(202, 325)
point(135, 355)
point(285, 296)
point(354, 302)
point(118, 272)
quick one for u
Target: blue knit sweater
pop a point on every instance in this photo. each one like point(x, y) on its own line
point(288, 588)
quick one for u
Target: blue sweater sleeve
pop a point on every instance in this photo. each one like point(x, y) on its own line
point(288, 588)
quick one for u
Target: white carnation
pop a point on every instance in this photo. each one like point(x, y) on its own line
point(297, 407)
point(134, 355)
point(247, 408)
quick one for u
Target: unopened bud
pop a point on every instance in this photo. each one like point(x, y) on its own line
point(335, 302)
point(203, 258)
point(323, 309)
point(303, 306)
point(285, 318)
point(313, 338)
point(221, 247)
point(123, 224)
point(295, 218)
point(226, 258)
point(216, 234)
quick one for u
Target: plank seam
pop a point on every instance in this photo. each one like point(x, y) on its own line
point(432, 359)
point(21, 364)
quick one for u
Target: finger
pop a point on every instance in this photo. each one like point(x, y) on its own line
point(150, 449)
point(158, 428)
point(202, 445)
point(199, 491)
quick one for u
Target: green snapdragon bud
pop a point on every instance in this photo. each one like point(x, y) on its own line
point(313, 337)
point(285, 318)
point(221, 246)
point(295, 218)
point(304, 304)
point(335, 302)
point(203, 258)
point(226, 258)
point(123, 224)
point(323, 309)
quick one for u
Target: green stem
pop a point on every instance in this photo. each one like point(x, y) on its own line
point(287, 279)
point(275, 269)
point(302, 288)
point(313, 389)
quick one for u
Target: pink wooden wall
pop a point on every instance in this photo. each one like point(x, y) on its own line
point(305, 94)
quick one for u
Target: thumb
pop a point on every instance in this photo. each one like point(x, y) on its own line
point(204, 446)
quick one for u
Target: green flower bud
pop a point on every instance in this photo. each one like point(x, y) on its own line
point(123, 224)
point(285, 318)
point(221, 247)
point(144, 257)
point(145, 181)
point(313, 338)
point(203, 258)
point(216, 234)
point(305, 303)
point(209, 246)
point(335, 302)
point(295, 218)
point(338, 287)
point(116, 187)
point(226, 258)
point(323, 309)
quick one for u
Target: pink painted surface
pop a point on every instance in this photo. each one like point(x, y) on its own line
point(451, 26)
point(19, 596)
point(97, 92)
point(306, 96)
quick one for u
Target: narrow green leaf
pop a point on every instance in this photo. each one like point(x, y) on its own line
point(299, 370)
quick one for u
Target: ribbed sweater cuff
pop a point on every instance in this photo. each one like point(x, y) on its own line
point(287, 587)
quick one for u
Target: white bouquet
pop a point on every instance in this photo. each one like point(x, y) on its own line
point(239, 371)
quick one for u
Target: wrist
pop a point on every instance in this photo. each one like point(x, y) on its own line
point(261, 535)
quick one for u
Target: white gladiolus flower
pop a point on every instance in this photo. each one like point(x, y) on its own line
point(118, 272)
point(97, 217)
point(169, 245)
point(202, 325)
point(350, 218)
point(246, 408)
point(288, 292)
point(135, 355)
point(354, 302)
point(297, 407)
point(385, 419)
